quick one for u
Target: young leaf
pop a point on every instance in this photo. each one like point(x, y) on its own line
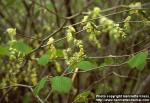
point(43, 60)
point(138, 61)
point(81, 98)
point(39, 86)
point(85, 65)
point(22, 47)
point(61, 84)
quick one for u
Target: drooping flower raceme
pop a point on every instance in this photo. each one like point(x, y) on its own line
point(101, 25)
point(71, 56)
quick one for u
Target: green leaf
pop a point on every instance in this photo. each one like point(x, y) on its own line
point(85, 65)
point(27, 98)
point(4, 50)
point(82, 97)
point(43, 60)
point(138, 61)
point(22, 47)
point(61, 84)
point(39, 86)
point(107, 61)
point(59, 53)
point(48, 53)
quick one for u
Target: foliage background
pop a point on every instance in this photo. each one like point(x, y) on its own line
point(29, 67)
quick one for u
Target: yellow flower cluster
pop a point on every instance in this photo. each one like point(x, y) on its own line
point(70, 31)
point(112, 28)
point(105, 25)
point(127, 24)
point(90, 27)
point(70, 56)
point(11, 32)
